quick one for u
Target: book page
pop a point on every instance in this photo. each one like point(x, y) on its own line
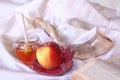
point(98, 70)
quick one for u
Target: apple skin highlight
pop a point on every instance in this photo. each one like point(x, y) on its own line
point(49, 55)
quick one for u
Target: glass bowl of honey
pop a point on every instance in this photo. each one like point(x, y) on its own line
point(26, 52)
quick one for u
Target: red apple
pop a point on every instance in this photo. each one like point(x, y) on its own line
point(49, 55)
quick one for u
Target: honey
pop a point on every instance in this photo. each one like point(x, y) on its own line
point(27, 58)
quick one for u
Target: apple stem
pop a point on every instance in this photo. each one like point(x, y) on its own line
point(24, 29)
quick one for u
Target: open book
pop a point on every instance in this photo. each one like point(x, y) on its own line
point(98, 69)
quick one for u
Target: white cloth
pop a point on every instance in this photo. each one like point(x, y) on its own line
point(113, 4)
point(61, 13)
